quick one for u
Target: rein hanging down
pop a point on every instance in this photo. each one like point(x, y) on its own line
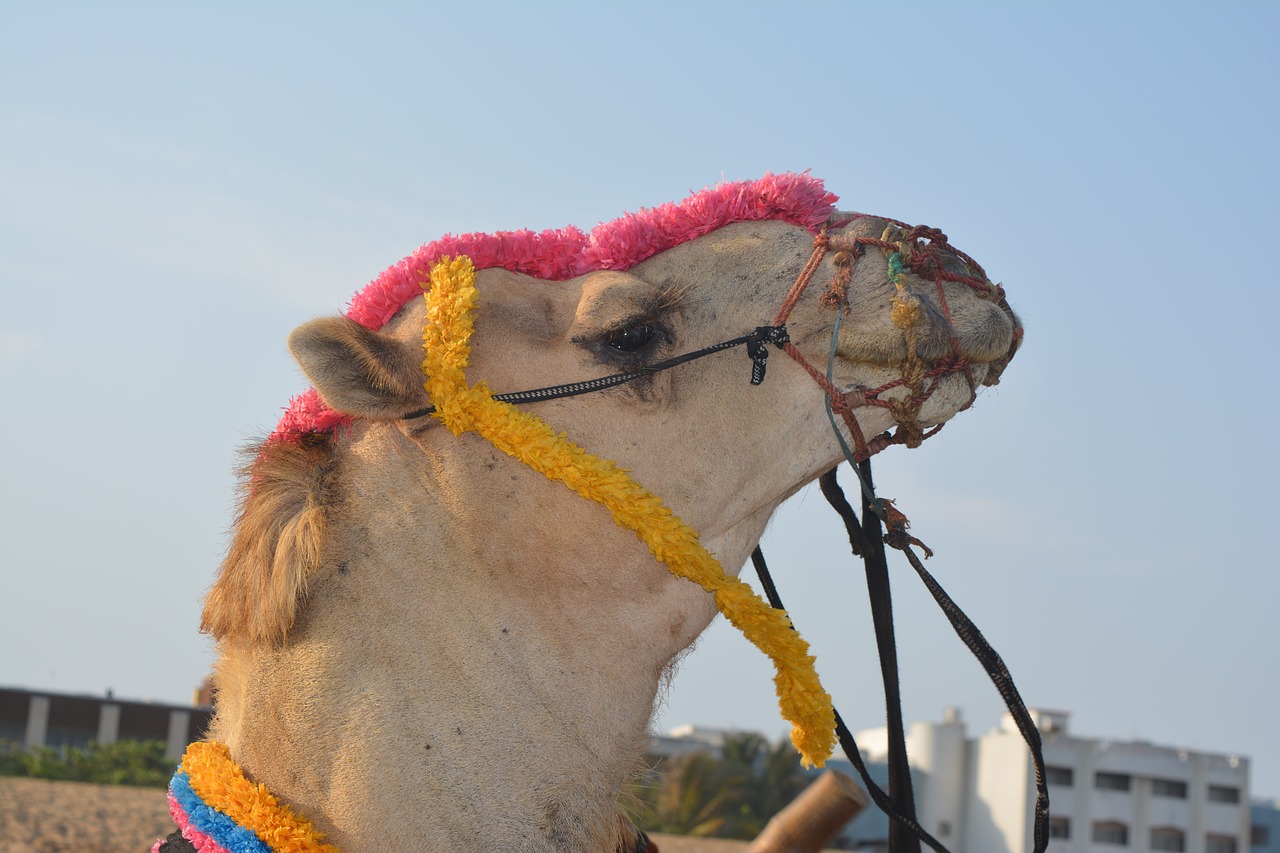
point(868, 538)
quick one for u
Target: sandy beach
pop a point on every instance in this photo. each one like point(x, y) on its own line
point(39, 816)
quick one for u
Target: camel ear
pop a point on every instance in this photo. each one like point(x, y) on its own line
point(357, 371)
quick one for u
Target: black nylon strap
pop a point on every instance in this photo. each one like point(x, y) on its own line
point(756, 341)
point(866, 541)
point(999, 675)
point(882, 800)
point(869, 536)
point(968, 632)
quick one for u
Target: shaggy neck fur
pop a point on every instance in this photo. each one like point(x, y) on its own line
point(377, 709)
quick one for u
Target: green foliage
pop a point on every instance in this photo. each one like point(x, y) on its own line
point(127, 762)
point(732, 796)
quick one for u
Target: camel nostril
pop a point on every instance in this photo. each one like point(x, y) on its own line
point(976, 330)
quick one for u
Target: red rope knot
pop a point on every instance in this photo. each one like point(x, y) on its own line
point(847, 252)
point(925, 232)
point(924, 262)
point(905, 412)
point(855, 399)
point(897, 524)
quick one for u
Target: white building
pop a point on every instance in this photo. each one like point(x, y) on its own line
point(977, 795)
point(1265, 830)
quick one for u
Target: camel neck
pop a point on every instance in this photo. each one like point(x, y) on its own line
point(218, 810)
point(435, 690)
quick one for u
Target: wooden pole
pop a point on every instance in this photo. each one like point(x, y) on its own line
point(813, 818)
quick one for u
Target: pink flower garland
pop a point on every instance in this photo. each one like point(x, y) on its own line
point(561, 254)
point(197, 839)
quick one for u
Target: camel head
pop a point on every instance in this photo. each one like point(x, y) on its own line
point(914, 344)
point(393, 573)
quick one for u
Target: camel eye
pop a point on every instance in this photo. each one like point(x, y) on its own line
point(631, 339)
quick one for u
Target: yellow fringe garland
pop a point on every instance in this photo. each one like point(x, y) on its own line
point(451, 297)
point(220, 783)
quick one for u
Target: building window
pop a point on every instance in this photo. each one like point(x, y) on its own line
point(1059, 776)
point(143, 722)
point(1220, 844)
point(1059, 827)
point(1169, 788)
point(1223, 794)
point(1111, 832)
point(1259, 836)
point(73, 721)
point(1168, 838)
point(1112, 781)
point(14, 706)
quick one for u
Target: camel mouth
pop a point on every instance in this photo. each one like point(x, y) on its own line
point(941, 302)
point(928, 328)
point(932, 370)
point(963, 331)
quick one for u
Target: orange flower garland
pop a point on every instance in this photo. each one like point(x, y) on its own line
point(222, 786)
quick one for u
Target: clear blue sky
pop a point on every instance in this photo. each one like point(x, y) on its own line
point(182, 185)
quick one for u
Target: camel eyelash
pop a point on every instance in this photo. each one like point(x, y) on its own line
point(630, 340)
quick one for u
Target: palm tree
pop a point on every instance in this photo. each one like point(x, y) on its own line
point(771, 778)
point(695, 796)
point(732, 796)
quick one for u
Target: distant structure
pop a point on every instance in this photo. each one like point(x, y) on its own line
point(976, 794)
point(687, 740)
point(1105, 795)
point(1265, 830)
point(868, 831)
point(35, 718)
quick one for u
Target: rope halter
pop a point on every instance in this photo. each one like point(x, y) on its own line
point(923, 251)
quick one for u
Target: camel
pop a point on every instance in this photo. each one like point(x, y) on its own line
point(426, 645)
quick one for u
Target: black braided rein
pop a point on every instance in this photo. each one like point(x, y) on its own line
point(887, 803)
point(756, 348)
point(866, 542)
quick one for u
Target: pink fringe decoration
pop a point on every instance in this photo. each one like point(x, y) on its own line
point(556, 255)
point(198, 840)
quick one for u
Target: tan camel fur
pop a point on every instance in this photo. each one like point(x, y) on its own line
point(425, 645)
